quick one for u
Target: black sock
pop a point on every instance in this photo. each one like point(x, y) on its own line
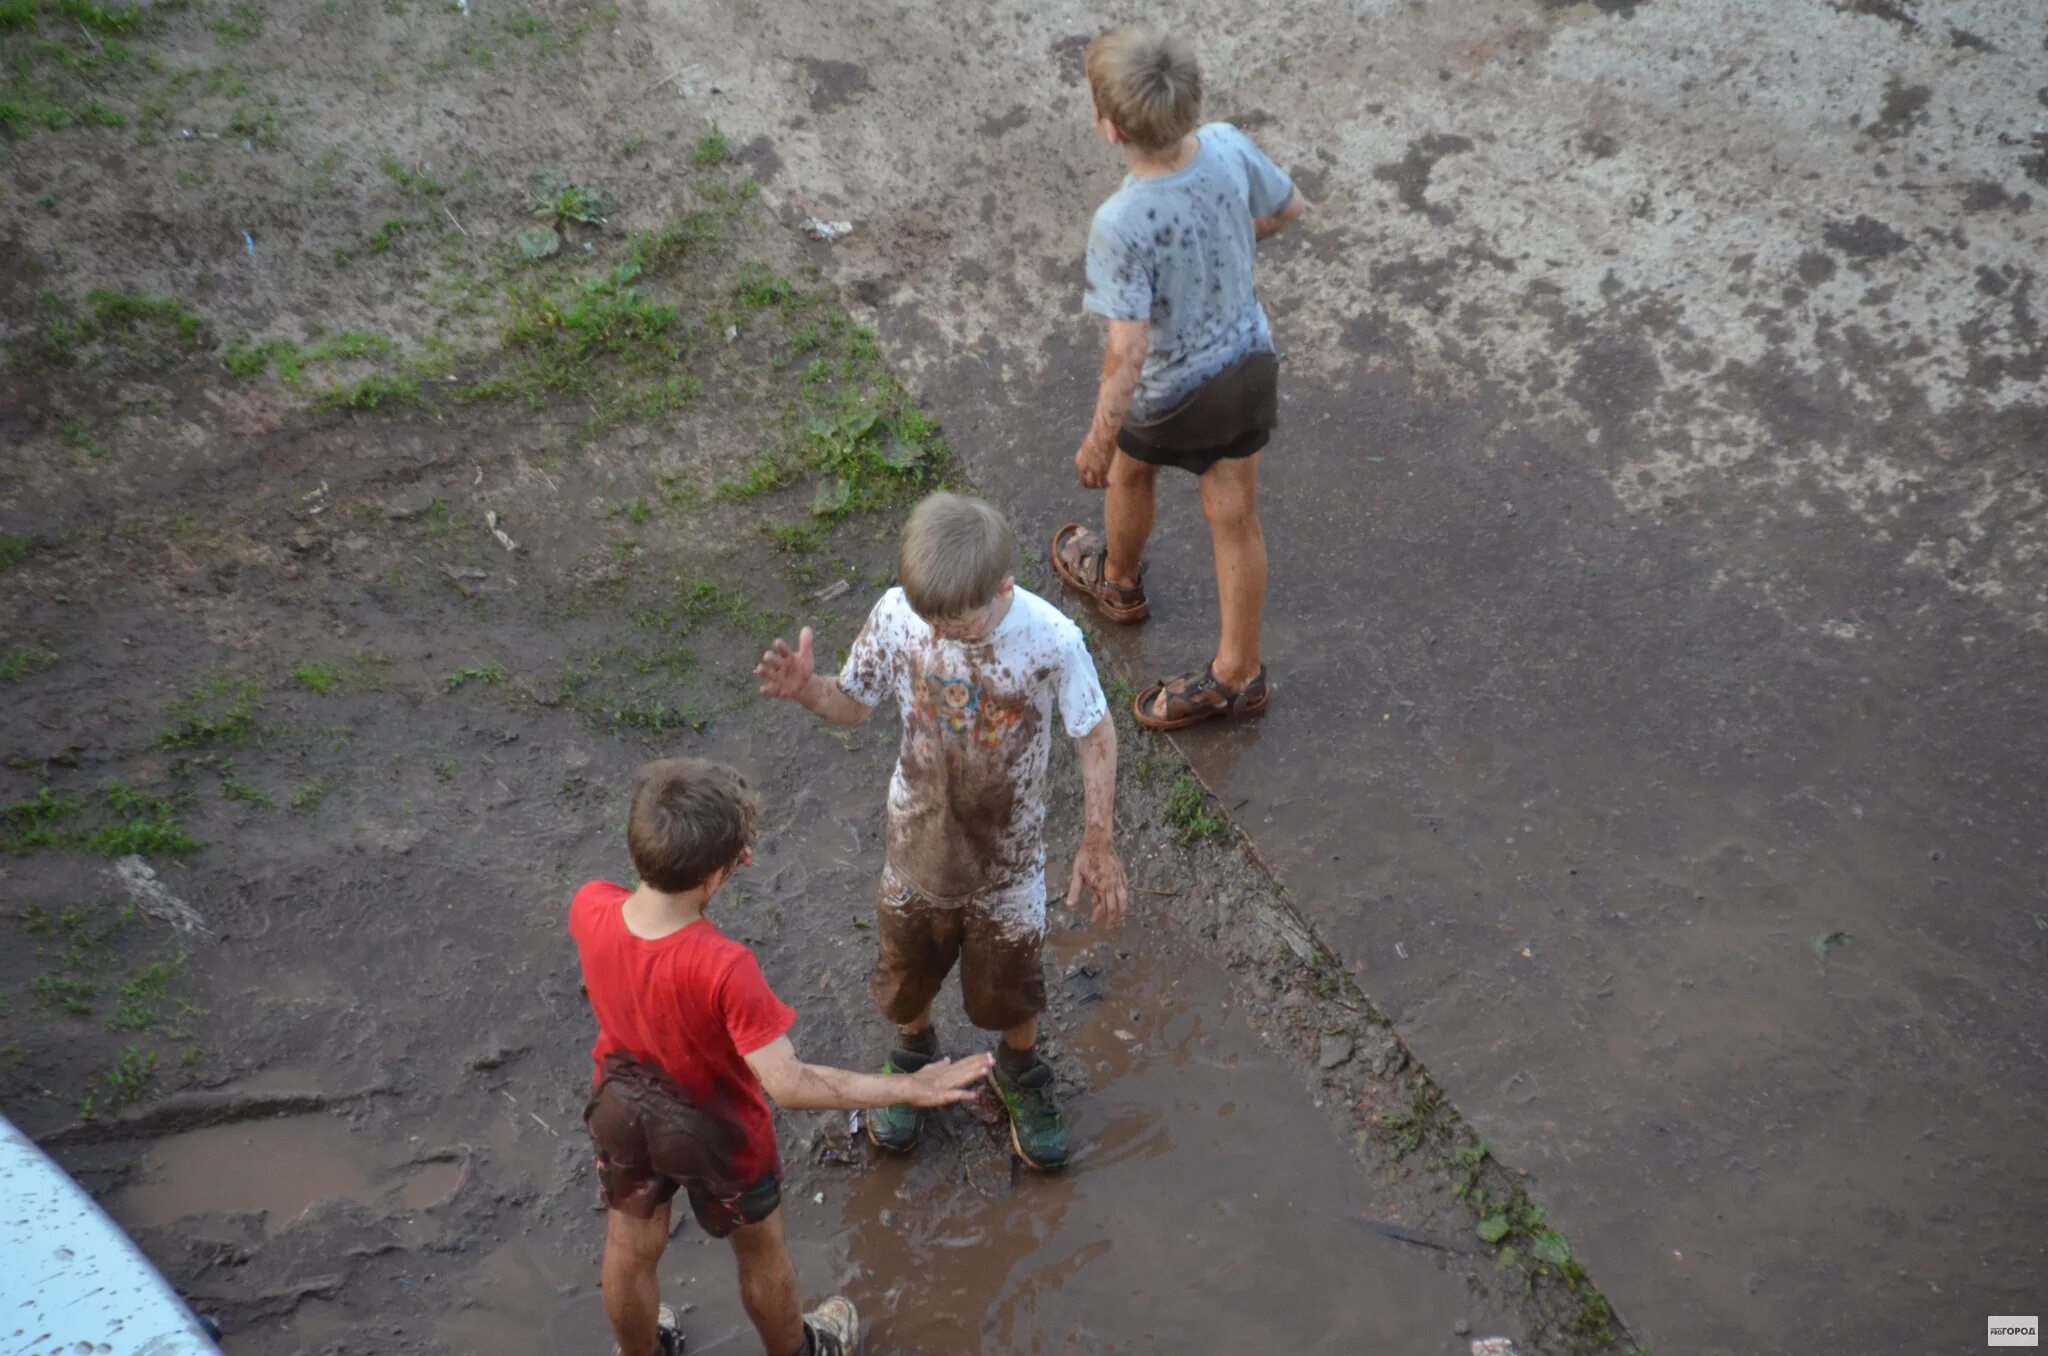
point(1014, 1061)
point(925, 1042)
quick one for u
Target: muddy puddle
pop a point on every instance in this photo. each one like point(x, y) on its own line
point(278, 1169)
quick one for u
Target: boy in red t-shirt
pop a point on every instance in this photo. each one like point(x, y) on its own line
point(689, 1036)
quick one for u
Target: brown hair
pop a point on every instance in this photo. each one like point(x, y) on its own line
point(689, 819)
point(955, 555)
point(1147, 84)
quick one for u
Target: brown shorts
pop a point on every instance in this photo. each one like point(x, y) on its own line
point(653, 1141)
point(996, 937)
point(1231, 415)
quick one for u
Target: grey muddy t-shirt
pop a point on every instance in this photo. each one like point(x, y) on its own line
point(1176, 249)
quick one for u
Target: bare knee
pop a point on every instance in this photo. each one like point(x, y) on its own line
point(1231, 508)
point(636, 1244)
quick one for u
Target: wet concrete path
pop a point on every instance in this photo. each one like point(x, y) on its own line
point(1658, 613)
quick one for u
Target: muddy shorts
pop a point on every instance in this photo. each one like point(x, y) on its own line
point(652, 1141)
point(995, 937)
point(1231, 415)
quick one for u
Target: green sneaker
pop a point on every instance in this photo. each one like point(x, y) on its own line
point(1038, 1131)
point(896, 1129)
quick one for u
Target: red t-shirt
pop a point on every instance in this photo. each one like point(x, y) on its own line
point(693, 1003)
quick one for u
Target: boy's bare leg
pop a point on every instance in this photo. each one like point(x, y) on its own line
point(1128, 507)
point(1022, 1038)
point(632, 1292)
point(1230, 492)
point(768, 1286)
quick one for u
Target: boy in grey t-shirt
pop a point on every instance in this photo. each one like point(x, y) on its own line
point(1189, 379)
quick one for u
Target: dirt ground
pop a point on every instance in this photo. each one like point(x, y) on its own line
point(412, 421)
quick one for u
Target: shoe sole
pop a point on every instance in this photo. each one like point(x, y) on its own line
point(1016, 1146)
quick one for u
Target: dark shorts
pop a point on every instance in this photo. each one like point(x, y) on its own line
point(653, 1141)
point(1232, 415)
point(997, 939)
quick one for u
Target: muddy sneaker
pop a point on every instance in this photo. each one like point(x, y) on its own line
point(668, 1334)
point(896, 1129)
point(834, 1327)
point(1038, 1131)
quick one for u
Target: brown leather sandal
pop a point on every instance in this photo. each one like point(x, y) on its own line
point(1080, 560)
point(1176, 703)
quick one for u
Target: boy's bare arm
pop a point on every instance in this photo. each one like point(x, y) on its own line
point(1122, 360)
point(791, 675)
point(1096, 867)
point(797, 1086)
point(1264, 228)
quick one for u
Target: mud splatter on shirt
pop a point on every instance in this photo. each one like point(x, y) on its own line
point(967, 800)
point(1177, 250)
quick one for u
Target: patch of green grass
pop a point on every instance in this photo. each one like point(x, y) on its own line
point(492, 674)
point(1189, 813)
point(130, 822)
point(1427, 1120)
point(797, 538)
point(142, 825)
point(40, 822)
point(320, 678)
point(760, 288)
point(142, 997)
point(255, 125)
point(17, 15)
point(232, 788)
point(765, 474)
point(307, 795)
point(635, 511)
point(14, 548)
point(242, 23)
point(412, 183)
point(130, 1078)
point(153, 331)
point(77, 433)
point(23, 661)
point(220, 710)
point(373, 392)
point(64, 993)
point(653, 251)
point(711, 150)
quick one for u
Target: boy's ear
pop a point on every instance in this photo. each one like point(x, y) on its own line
point(1009, 583)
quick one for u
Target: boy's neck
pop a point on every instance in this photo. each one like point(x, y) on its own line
point(652, 914)
point(1152, 164)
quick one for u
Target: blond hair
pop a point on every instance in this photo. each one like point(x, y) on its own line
point(1147, 84)
point(955, 555)
point(690, 819)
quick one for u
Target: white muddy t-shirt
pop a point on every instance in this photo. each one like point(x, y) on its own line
point(967, 801)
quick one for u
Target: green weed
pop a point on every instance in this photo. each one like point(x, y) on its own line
point(220, 710)
point(41, 822)
point(243, 23)
point(143, 825)
point(257, 126)
point(765, 474)
point(233, 789)
point(14, 548)
point(142, 996)
point(77, 433)
point(562, 203)
point(63, 993)
point(492, 674)
point(307, 795)
point(370, 393)
point(711, 149)
point(320, 678)
point(412, 183)
point(130, 1078)
point(19, 663)
point(1188, 812)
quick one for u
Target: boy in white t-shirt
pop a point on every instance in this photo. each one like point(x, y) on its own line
point(976, 666)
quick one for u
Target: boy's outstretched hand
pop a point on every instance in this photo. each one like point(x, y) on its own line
point(785, 672)
point(945, 1081)
point(1098, 871)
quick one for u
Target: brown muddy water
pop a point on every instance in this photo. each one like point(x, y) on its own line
point(1208, 1209)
